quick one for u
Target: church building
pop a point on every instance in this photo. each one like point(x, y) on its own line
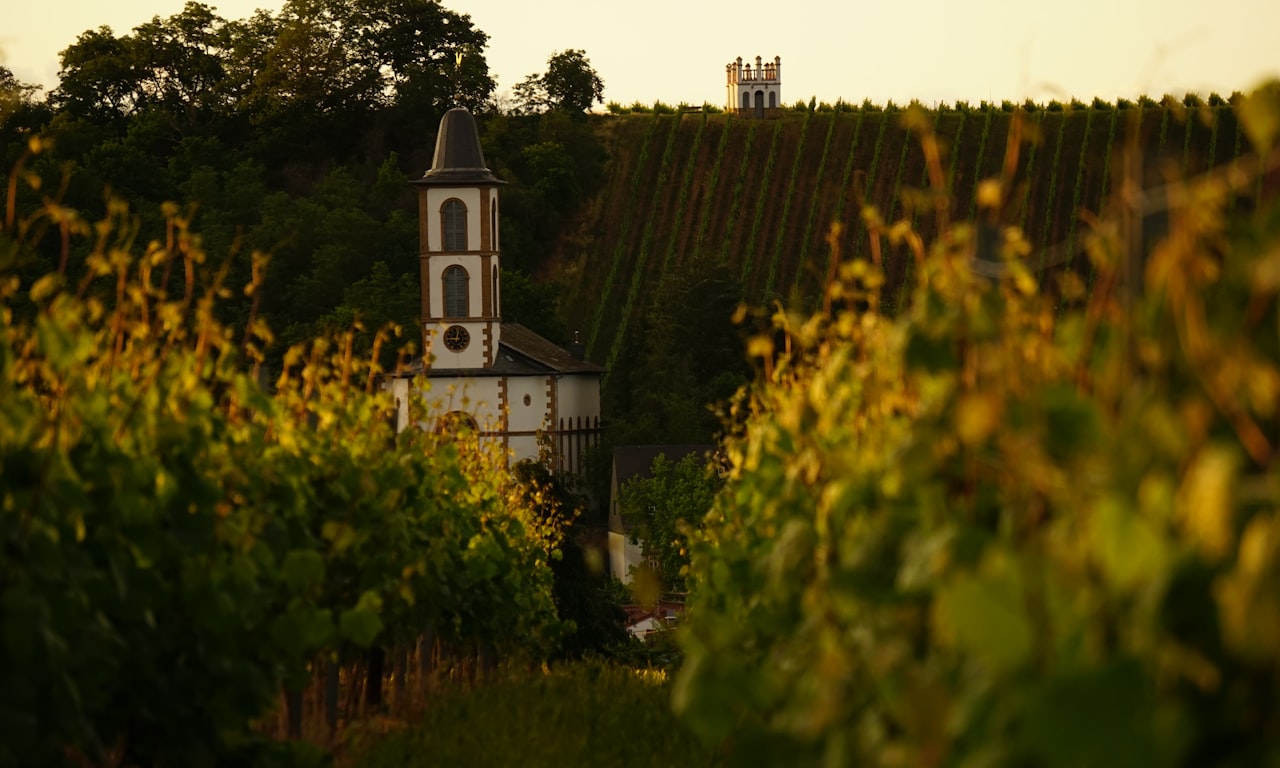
point(514, 387)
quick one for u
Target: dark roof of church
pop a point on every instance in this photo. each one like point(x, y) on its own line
point(523, 341)
point(459, 160)
point(521, 352)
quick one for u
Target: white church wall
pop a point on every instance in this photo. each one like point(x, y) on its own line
point(526, 403)
point(579, 396)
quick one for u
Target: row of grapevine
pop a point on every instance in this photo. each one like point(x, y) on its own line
point(646, 238)
point(762, 199)
point(1106, 178)
point(700, 234)
point(624, 230)
point(872, 169)
point(977, 163)
point(182, 542)
point(815, 204)
point(1031, 162)
point(732, 208)
point(681, 206)
point(843, 193)
point(895, 195)
point(1082, 166)
point(776, 251)
point(1046, 231)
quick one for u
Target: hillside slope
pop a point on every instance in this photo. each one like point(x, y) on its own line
point(759, 197)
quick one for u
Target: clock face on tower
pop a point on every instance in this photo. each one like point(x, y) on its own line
point(456, 338)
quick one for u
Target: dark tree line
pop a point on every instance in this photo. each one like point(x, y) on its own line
point(295, 134)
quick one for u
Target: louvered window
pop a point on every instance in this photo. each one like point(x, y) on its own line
point(455, 292)
point(454, 217)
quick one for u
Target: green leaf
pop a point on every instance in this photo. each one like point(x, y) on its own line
point(1072, 423)
point(984, 616)
point(302, 628)
point(1127, 545)
point(1100, 717)
point(302, 568)
point(361, 624)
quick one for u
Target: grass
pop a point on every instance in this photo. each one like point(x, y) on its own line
point(584, 714)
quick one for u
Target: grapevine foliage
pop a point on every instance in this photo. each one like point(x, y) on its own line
point(180, 540)
point(1012, 524)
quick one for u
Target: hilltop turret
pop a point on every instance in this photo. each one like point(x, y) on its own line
point(754, 92)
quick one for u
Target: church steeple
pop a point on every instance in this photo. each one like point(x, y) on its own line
point(458, 249)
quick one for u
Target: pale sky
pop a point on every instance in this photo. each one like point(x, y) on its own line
point(931, 50)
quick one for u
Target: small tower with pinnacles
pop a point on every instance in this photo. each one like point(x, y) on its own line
point(754, 92)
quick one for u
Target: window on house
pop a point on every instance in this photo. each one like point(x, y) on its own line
point(455, 292)
point(454, 218)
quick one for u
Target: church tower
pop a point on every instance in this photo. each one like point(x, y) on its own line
point(754, 92)
point(458, 250)
point(524, 395)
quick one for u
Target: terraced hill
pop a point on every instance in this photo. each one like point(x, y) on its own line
point(760, 196)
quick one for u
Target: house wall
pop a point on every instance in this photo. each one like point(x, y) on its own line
point(623, 556)
point(578, 396)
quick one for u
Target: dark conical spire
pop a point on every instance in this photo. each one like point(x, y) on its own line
point(459, 159)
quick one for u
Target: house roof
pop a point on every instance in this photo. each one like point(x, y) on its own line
point(521, 352)
point(630, 461)
point(459, 160)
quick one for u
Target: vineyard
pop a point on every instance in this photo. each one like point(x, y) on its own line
point(193, 556)
point(760, 196)
point(1012, 521)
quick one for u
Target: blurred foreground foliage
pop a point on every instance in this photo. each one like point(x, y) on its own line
point(182, 536)
point(1026, 520)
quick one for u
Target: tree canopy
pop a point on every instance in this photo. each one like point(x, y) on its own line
point(570, 84)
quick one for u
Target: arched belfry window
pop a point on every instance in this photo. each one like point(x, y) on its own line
point(773, 99)
point(496, 306)
point(746, 100)
point(455, 292)
point(453, 218)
